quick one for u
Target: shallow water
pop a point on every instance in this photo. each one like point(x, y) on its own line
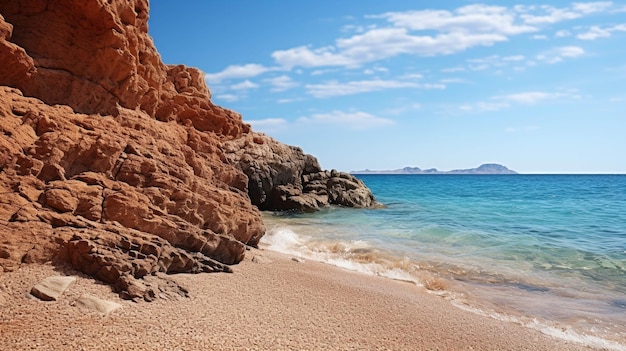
point(548, 251)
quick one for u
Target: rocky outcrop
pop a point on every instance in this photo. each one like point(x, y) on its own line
point(283, 177)
point(126, 196)
point(96, 56)
point(121, 165)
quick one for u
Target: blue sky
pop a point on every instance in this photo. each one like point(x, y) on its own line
point(537, 86)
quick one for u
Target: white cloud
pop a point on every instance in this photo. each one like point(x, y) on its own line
point(488, 62)
point(500, 102)
point(403, 109)
point(478, 66)
point(353, 28)
point(287, 101)
point(334, 88)
point(418, 33)
point(558, 54)
point(237, 72)
point(424, 33)
point(453, 69)
point(379, 44)
point(453, 81)
point(227, 97)
point(245, 85)
point(375, 70)
point(540, 37)
point(596, 32)
point(468, 19)
point(617, 98)
point(484, 106)
point(514, 58)
point(281, 83)
point(352, 119)
point(306, 57)
point(551, 15)
point(562, 34)
point(413, 76)
point(530, 97)
point(592, 7)
point(570, 51)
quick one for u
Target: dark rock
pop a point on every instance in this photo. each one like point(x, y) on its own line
point(283, 177)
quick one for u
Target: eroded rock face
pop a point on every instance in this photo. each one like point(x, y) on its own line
point(96, 56)
point(121, 165)
point(177, 205)
point(283, 177)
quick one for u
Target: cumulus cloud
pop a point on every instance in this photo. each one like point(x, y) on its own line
point(484, 106)
point(288, 100)
point(493, 61)
point(352, 119)
point(500, 102)
point(237, 72)
point(383, 43)
point(281, 83)
point(562, 33)
point(374, 70)
point(245, 85)
point(530, 97)
point(592, 7)
point(469, 19)
point(558, 54)
point(227, 97)
point(403, 109)
point(596, 32)
point(425, 33)
point(546, 14)
point(335, 88)
point(419, 33)
point(304, 56)
point(453, 69)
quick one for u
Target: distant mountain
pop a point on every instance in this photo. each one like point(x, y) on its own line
point(487, 168)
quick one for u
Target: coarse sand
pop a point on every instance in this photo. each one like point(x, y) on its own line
point(271, 302)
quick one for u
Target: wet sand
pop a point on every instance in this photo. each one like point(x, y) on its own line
point(271, 302)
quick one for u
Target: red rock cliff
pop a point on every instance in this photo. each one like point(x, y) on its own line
point(123, 166)
point(96, 56)
point(126, 176)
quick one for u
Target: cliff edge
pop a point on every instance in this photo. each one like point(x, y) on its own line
point(121, 165)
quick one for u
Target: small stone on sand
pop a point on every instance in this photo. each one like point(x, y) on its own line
point(94, 303)
point(51, 288)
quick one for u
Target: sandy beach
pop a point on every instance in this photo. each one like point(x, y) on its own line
point(271, 302)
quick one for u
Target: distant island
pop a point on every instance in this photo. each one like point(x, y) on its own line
point(487, 168)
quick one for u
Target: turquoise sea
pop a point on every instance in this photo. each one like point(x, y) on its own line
point(545, 251)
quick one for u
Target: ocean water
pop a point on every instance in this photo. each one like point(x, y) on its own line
point(545, 251)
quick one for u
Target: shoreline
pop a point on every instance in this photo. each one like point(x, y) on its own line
point(271, 302)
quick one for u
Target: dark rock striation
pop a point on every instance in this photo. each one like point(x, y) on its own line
point(121, 165)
